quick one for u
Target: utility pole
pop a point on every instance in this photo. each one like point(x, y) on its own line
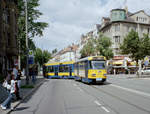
point(27, 47)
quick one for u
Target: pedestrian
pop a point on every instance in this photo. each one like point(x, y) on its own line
point(7, 80)
point(15, 70)
point(18, 81)
point(19, 78)
point(12, 86)
point(33, 74)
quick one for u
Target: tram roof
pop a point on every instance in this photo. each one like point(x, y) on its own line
point(67, 62)
point(52, 63)
point(92, 58)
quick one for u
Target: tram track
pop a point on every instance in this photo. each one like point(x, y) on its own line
point(119, 98)
point(113, 96)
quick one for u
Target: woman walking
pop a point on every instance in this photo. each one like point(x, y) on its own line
point(12, 86)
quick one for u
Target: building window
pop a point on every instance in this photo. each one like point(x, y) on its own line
point(136, 18)
point(141, 19)
point(117, 27)
point(127, 28)
point(148, 30)
point(134, 28)
point(117, 39)
point(142, 30)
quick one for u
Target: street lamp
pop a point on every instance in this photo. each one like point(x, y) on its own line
point(27, 47)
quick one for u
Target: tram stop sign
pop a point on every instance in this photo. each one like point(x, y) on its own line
point(31, 57)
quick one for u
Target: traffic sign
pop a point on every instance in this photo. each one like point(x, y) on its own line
point(31, 54)
point(31, 60)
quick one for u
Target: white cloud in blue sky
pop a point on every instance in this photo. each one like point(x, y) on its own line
point(68, 19)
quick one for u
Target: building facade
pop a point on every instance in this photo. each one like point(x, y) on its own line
point(121, 22)
point(67, 54)
point(8, 35)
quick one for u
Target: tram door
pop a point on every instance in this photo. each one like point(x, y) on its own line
point(86, 69)
point(70, 70)
point(56, 71)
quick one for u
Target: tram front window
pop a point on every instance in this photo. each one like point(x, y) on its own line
point(98, 64)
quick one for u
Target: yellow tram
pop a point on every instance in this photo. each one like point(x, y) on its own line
point(91, 69)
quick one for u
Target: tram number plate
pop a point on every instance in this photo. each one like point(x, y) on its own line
point(98, 79)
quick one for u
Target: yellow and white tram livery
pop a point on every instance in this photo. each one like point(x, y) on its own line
point(91, 69)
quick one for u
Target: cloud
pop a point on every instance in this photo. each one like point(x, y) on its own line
point(68, 19)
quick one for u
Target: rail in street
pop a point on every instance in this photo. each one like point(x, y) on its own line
point(116, 96)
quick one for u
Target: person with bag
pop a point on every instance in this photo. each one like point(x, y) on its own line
point(11, 85)
point(18, 84)
point(7, 79)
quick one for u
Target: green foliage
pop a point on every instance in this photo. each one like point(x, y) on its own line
point(103, 45)
point(136, 47)
point(88, 49)
point(35, 28)
point(132, 46)
point(99, 46)
point(54, 51)
point(42, 57)
point(145, 45)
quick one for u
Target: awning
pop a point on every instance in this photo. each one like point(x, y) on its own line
point(119, 62)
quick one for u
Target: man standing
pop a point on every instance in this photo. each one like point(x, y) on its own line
point(15, 71)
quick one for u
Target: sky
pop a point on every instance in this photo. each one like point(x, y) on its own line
point(69, 19)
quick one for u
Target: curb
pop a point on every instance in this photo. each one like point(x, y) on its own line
point(26, 96)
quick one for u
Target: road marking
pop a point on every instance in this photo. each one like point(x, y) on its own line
point(97, 103)
point(132, 90)
point(105, 109)
point(74, 84)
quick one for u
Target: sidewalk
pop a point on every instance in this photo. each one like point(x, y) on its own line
point(128, 76)
point(25, 92)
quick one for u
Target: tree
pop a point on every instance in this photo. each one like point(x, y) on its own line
point(88, 49)
point(103, 46)
point(54, 51)
point(132, 45)
point(35, 28)
point(145, 45)
point(41, 57)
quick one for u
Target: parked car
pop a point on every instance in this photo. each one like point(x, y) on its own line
point(145, 70)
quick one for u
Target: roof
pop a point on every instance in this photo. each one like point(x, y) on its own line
point(129, 20)
point(53, 63)
point(118, 9)
point(67, 62)
point(139, 12)
point(106, 18)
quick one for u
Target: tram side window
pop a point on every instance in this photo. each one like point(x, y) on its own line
point(46, 69)
point(82, 65)
point(51, 69)
point(66, 68)
point(61, 68)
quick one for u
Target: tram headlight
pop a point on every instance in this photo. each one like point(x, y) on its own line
point(105, 74)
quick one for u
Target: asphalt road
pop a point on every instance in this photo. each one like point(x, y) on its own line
point(116, 96)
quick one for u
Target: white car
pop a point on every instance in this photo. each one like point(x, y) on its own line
point(146, 70)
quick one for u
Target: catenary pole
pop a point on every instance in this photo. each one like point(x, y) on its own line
point(27, 47)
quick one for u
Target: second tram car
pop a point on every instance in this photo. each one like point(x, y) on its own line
point(59, 70)
point(66, 69)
